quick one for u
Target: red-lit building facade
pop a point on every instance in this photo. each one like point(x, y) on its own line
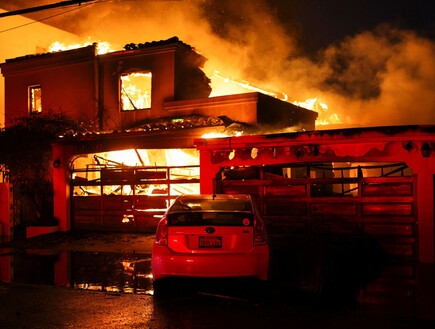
point(143, 107)
point(150, 102)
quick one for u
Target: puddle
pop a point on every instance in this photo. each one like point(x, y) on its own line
point(126, 273)
point(113, 273)
point(109, 272)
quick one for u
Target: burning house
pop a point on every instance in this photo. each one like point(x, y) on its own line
point(143, 107)
point(150, 119)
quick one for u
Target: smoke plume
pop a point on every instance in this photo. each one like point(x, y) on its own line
point(385, 76)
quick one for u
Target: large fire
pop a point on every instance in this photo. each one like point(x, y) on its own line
point(225, 85)
point(222, 85)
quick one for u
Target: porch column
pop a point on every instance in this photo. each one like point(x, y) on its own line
point(61, 189)
point(207, 172)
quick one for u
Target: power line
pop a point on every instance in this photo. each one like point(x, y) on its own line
point(59, 4)
point(48, 17)
point(44, 7)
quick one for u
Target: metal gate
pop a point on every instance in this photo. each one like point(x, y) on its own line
point(332, 204)
point(127, 198)
point(331, 227)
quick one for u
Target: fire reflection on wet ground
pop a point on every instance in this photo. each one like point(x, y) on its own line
point(130, 273)
point(117, 273)
point(100, 271)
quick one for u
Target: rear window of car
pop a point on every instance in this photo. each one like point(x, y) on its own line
point(211, 205)
point(199, 218)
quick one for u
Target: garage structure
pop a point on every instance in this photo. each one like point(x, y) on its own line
point(330, 192)
point(373, 181)
point(377, 181)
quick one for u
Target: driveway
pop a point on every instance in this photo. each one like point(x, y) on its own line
point(46, 306)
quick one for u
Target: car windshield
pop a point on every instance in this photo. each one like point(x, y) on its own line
point(199, 218)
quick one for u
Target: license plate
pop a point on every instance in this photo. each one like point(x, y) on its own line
point(210, 242)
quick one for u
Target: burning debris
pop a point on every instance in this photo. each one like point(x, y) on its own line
point(171, 123)
point(134, 46)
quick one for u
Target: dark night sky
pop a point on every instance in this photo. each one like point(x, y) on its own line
point(317, 24)
point(324, 22)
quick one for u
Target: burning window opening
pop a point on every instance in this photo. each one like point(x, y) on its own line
point(135, 91)
point(35, 100)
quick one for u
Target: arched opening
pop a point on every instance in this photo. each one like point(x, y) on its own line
point(129, 189)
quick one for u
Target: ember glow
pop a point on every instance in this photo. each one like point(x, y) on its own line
point(103, 47)
point(221, 134)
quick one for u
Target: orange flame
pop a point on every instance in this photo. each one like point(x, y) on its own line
point(102, 48)
point(325, 116)
point(222, 85)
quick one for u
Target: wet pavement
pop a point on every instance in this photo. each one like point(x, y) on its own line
point(94, 280)
point(30, 306)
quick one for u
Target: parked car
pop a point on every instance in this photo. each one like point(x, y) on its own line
point(211, 236)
